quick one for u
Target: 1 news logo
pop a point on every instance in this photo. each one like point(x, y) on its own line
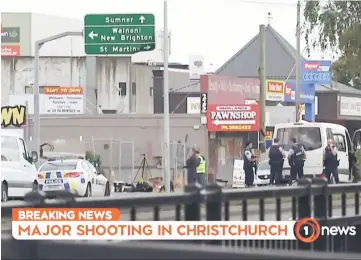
point(308, 230)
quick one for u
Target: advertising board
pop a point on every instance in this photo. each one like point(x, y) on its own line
point(233, 118)
point(224, 90)
point(275, 90)
point(62, 101)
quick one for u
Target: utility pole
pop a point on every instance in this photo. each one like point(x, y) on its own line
point(262, 78)
point(298, 63)
point(166, 148)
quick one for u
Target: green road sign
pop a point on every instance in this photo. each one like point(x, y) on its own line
point(119, 33)
point(120, 49)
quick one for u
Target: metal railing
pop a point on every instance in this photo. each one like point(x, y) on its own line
point(310, 198)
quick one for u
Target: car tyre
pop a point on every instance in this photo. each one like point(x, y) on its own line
point(107, 190)
point(88, 192)
point(4, 192)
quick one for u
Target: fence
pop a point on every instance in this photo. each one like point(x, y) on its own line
point(178, 156)
point(116, 156)
point(310, 198)
point(124, 158)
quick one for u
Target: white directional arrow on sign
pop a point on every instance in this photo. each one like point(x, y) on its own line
point(234, 122)
point(141, 19)
point(147, 47)
point(92, 35)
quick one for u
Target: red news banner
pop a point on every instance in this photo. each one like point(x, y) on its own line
point(106, 224)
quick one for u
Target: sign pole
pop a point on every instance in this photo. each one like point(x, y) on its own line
point(298, 63)
point(166, 149)
point(36, 99)
point(38, 45)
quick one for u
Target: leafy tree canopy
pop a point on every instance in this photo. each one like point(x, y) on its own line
point(337, 25)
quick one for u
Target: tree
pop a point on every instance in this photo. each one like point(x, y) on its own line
point(337, 25)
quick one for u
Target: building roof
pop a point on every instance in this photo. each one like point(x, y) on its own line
point(280, 62)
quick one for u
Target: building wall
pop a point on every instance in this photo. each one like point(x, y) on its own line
point(110, 71)
point(353, 102)
point(121, 133)
point(278, 115)
point(178, 102)
point(99, 76)
point(19, 73)
point(328, 106)
point(142, 102)
point(178, 83)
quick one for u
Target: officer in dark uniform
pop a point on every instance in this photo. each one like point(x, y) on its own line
point(296, 159)
point(276, 155)
point(330, 161)
point(249, 161)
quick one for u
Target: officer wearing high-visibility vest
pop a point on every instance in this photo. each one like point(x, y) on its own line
point(201, 169)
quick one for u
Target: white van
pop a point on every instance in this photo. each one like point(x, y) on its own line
point(18, 172)
point(313, 137)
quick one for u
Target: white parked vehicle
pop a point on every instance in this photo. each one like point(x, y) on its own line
point(18, 172)
point(264, 173)
point(74, 175)
point(313, 137)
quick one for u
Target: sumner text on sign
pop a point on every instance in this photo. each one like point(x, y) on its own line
point(233, 118)
point(316, 72)
point(120, 34)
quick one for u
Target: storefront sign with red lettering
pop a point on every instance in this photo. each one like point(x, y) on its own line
point(233, 118)
point(225, 90)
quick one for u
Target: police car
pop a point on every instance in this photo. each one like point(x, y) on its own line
point(74, 175)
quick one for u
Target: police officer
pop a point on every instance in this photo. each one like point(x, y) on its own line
point(191, 165)
point(276, 155)
point(249, 161)
point(296, 159)
point(201, 169)
point(330, 161)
